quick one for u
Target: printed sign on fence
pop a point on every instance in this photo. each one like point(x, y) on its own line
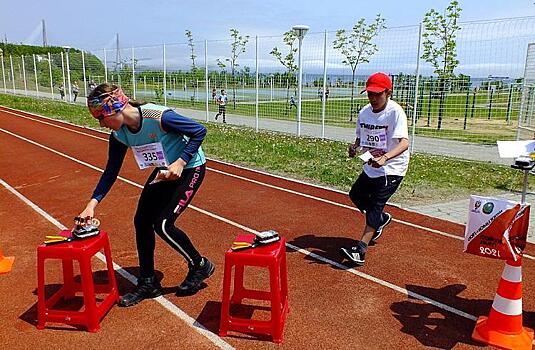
point(496, 228)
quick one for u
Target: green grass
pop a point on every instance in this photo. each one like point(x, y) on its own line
point(430, 178)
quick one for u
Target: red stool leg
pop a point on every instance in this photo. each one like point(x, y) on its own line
point(41, 304)
point(275, 287)
point(225, 302)
point(284, 281)
point(69, 287)
point(90, 312)
point(238, 293)
point(111, 272)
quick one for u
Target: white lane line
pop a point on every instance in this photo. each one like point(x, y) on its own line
point(407, 223)
point(161, 299)
point(300, 250)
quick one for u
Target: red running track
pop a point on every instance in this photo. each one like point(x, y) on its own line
point(417, 289)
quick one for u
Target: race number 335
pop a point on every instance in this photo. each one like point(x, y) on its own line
point(149, 155)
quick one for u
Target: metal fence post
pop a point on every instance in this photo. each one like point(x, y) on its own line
point(12, 73)
point(83, 71)
point(50, 75)
point(164, 78)
point(3, 74)
point(133, 74)
point(24, 76)
point(522, 95)
point(68, 75)
point(257, 82)
point(63, 74)
point(105, 67)
point(206, 83)
point(35, 73)
point(324, 85)
point(416, 87)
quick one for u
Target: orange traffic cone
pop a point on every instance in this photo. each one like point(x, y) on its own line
point(503, 328)
point(5, 262)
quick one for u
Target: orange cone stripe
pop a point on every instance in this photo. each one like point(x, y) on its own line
point(509, 290)
point(504, 323)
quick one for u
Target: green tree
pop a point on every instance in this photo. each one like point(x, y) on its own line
point(237, 47)
point(192, 56)
point(288, 61)
point(358, 47)
point(439, 47)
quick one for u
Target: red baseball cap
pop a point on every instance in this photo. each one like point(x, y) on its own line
point(378, 82)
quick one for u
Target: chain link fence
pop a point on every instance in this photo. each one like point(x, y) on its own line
point(491, 98)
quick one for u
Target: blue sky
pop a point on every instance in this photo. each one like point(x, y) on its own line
point(491, 48)
point(81, 24)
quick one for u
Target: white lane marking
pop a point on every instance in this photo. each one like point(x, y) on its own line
point(298, 249)
point(161, 299)
point(445, 234)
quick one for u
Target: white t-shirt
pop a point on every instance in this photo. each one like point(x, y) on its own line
point(382, 131)
point(223, 100)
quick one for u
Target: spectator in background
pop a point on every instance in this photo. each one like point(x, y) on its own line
point(75, 91)
point(292, 102)
point(222, 102)
point(326, 93)
point(92, 86)
point(62, 91)
point(214, 93)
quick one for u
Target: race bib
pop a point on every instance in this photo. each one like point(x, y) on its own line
point(496, 228)
point(374, 138)
point(150, 155)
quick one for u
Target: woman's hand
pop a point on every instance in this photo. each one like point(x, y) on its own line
point(87, 214)
point(175, 169)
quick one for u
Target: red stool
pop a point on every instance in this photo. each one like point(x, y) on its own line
point(271, 256)
point(82, 250)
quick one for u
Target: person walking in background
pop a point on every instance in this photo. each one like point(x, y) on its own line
point(327, 93)
point(214, 93)
point(222, 102)
point(75, 91)
point(62, 91)
point(170, 142)
point(92, 86)
point(292, 102)
point(382, 131)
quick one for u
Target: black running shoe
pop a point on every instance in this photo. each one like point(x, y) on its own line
point(147, 288)
point(196, 276)
point(379, 231)
point(354, 254)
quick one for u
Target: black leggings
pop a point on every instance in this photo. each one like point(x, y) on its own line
point(159, 206)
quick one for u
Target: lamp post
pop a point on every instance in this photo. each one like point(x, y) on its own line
point(67, 48)
point(3, 69)
point(300, 31)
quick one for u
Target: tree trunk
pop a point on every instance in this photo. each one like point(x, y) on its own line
point(352, 96)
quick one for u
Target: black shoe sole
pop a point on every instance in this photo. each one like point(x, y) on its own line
point(135, 302)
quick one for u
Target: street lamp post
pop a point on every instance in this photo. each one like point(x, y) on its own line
point(300, 31)
point(3, 70)
point(67, 48)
